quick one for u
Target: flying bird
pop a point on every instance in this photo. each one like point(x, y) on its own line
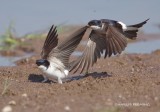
point(108, 37)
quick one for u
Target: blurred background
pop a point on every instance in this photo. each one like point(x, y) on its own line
point(33, 15)
point(30, 16)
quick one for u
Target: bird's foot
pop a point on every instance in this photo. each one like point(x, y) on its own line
point(60, 81)
point(45, 79)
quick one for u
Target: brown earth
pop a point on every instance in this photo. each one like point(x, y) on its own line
point(122, 83)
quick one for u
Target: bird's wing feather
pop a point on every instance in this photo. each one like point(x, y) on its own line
point(113, 42)
point(50, 42)
point(66, 47)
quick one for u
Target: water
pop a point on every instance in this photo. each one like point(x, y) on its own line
point(143, 46)
point(10, 61)
point(7, 61)
point(137, 47)
point(34, 15)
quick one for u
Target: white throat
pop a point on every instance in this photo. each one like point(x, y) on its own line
point(42, 67)
point(94, 27)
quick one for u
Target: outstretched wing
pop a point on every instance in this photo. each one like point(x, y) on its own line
point(112, 42)
point(65, 48)
point(50, 42)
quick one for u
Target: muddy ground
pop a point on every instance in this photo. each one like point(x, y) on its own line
point(123, 83)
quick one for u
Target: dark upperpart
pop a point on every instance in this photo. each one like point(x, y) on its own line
point(42, 62)
point(95, 23)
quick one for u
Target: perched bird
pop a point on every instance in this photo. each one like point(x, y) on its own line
point(55, 56)
point(104, 37)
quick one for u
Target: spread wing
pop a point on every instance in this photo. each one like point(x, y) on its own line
point(65, 48)
point(50, 42)
point(112, 42)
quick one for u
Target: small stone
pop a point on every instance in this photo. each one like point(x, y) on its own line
point(156, 98)
point(132, 70)
point(72, 100)
point(7, 108)
point(67, 108)
point(151, 67)
point(109, 99)
point(12, 102)
point(120, 96)
point(146, 96)
point(109, 102)
point(24, 95)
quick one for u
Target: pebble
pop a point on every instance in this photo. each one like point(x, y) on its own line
point(132, 70)
point(24, 95)
point(12, 102)
point(120, 96)
point(146, 96)
point(67, 108)
point(7, 108)
point(109, 102)
point(72, 100)
point(156, 98)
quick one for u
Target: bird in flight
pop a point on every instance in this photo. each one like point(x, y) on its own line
point(108, 37)
point(105, 37)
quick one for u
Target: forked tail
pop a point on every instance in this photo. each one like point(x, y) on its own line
point(131, 31)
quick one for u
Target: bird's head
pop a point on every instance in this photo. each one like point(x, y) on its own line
point(43, 64)
point(95, 24)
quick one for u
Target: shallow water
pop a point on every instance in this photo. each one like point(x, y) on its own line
point(143, 46)
point(7, 61)
point(10, 61)
point(136, 47)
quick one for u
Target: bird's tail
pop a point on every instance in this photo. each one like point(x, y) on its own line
point(131, 31)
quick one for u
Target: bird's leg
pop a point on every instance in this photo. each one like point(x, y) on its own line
point(59, 80)
point(45, 79)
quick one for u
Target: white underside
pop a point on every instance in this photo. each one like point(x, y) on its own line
point(53, 72)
